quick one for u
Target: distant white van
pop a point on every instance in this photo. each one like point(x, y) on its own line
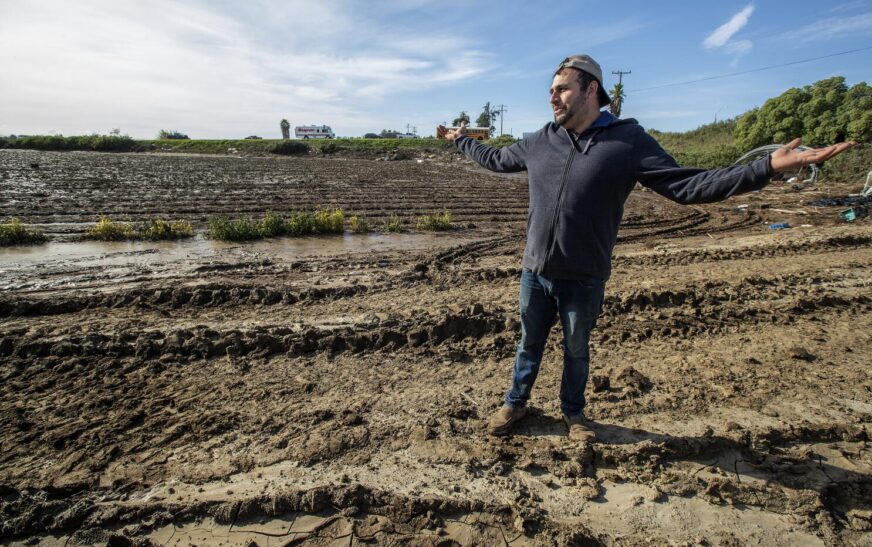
point(314, 132)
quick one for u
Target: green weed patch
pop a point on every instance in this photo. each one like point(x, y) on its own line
point(393, 225)
point(110, 230)
point(359, 225)
point(16, 233)
point(327, 221)
point(158, 230)
point(437, 222)
point(107, 229)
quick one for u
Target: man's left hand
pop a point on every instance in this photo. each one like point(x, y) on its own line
point(787, 158)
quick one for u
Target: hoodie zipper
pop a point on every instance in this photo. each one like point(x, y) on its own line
point(552, 235)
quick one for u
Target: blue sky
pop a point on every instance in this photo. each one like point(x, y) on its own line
point(228, 69)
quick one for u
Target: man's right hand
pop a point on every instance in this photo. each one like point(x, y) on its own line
point(451, 134)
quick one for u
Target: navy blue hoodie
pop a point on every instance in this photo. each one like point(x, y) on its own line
point(579, 183)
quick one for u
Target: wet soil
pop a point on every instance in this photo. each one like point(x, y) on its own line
point(323, 392)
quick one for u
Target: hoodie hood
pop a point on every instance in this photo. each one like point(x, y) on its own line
point(606, 119)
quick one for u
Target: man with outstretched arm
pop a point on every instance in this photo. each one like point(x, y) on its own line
point(581, 168)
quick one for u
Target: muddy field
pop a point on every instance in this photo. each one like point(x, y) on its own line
point(335, 391)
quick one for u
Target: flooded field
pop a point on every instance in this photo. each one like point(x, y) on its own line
point(335, 390)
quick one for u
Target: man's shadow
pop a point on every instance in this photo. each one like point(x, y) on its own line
point(764, 459)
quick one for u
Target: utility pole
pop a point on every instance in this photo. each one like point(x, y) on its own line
point(501, 110)
point(621, 73)
point(618, 99)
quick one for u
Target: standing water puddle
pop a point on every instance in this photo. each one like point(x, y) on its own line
point(64, 263)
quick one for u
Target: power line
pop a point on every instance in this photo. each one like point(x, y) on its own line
point(770, 67)
point(620, 74)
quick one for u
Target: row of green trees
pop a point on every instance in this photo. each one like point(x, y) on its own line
point(824, 112)
point(487, 118)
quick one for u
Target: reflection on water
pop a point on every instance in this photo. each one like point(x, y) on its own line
point(198, 248)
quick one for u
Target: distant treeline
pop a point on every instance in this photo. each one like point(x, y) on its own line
point(92, 143)
point(713, 145)
point(114, 143)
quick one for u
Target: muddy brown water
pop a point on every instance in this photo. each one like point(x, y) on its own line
point(336, 391)
point(20, 266)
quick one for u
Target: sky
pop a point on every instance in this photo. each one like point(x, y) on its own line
point(229, 69)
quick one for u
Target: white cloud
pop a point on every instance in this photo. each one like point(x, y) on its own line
point(850, 6)
point(831, 28)
point(94, 65)
point(723, 33)
point(740, 47)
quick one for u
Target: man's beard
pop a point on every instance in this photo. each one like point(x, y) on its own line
point(571, 110)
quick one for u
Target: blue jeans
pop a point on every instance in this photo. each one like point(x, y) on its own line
point(577, 303)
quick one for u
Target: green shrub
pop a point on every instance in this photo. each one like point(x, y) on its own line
point(109, 230)
point(300, 224)
point(163, 134)
point(91, 143)
point(822, 113)
point(329, 147)
point(329, 221)
point(271, 225)
point(16, 233)
point(706, 157)
point(359, 225)
point(233, 230)
point(289, 147)
point(162, 230)
point(707, 147)
point(393, 225)
point(850, 166)
point(501, 141)
point(436, 222)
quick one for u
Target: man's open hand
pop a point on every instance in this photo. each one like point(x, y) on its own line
point(788, 158)
point(451, 134)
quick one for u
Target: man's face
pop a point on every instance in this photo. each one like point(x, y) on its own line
point(567, 97)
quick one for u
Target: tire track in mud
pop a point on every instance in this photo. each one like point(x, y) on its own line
point(658, 462)
point(422, 271)
point(637, 315)
point(838, 243)
point(38, 361)
point(372, 515)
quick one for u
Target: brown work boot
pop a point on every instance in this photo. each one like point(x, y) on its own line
point(579, 430)
point(501, 422)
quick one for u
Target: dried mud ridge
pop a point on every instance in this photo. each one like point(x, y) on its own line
point(368, 516)
point(372, 516)
point(712, 308)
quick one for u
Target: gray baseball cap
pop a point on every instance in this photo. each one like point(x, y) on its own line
point(587, 64)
